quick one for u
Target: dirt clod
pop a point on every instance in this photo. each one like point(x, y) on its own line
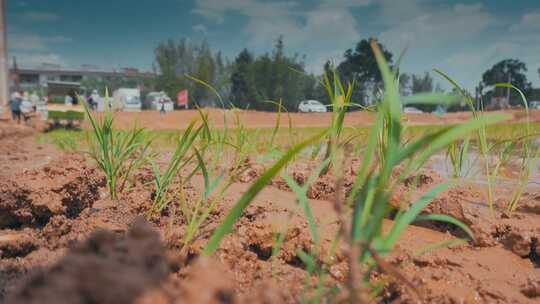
point(107, 268)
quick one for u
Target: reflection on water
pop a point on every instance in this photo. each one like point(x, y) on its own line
point(474, 169)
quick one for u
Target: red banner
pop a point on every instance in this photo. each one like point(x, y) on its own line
point(182, 98)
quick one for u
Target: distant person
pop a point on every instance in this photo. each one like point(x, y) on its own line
point(95, 99)
point(34, 99)
point(15, 106)
point(26, 108)
point(68, 100)
point(162, 106)
point(74, 97)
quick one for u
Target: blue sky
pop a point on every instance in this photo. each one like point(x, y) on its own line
point(462, 37)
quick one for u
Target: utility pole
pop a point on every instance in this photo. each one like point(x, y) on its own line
point(507, 71)
point(4, 78)
point(508, 88)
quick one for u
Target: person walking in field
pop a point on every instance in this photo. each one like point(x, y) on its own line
point(26, 108)
point(94, 97)
point(68, 101)
point(34, 99)
point(162, 106)
point(15, 106)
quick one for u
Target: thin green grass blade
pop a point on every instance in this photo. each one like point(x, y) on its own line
point(446, 219)
point(410, 215)
point(431, 99)
point(249, 195)
point(443, 244)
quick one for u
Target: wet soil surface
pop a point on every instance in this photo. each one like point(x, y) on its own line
point(63, 240)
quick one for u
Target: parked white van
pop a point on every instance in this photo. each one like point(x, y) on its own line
point(311, 106)
point(129, 100)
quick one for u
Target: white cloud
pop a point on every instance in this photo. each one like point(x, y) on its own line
point(469, 65)
point(458, 38)
point(529, 22)
point(216, 9)
point(31, 59)
point(200, 28)
point(435, 26)
point(38, 16)
point(27, 41)
point(323, 32)
point(345, 3)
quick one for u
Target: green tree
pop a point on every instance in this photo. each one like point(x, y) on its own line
point(274, 77)
point(509, 70)
point(175, 60)
point(422, 84)
point(360, 65)
point(243, 94)
point(405, 84)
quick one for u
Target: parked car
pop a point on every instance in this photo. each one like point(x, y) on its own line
point(311, 106)
point(128, 100)
point(154, 100)
point(534, 104)
point(411, 110)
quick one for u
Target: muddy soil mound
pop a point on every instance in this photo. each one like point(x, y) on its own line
point(62, 188)
point(516, 231)
point(106, 268)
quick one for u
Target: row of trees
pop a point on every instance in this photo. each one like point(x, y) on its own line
point(270, 77)
point(250, 81)
point(178, 61)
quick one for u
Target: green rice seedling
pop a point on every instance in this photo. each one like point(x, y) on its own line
point(340, 103)
point(117, 153)
point(458, 152)
point(370, 196)
point(197, 214)
point(372, 189)
point(481, 135)
point(371, 192)
point(529, 155)
point(179, 160)
point(277, 126)
point(240, 142)
point(492, 165)
point(236, 212)
point(66, 140)
point(303, 201)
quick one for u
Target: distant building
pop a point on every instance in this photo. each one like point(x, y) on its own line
point(39, 77)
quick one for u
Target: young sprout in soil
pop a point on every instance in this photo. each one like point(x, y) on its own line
point(117, 153)
point(493, 162)
point(179, 160)
point(458, 153)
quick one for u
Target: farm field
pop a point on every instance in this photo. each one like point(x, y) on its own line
point(269, 151)
point(63, 237)
point(253, 119)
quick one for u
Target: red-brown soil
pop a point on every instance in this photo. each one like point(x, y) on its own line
point(63, 240)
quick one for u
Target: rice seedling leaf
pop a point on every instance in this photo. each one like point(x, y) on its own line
point(431, 99)
point(438, 245)
point(447, 219)
point(410, 215)
point(250, 194)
